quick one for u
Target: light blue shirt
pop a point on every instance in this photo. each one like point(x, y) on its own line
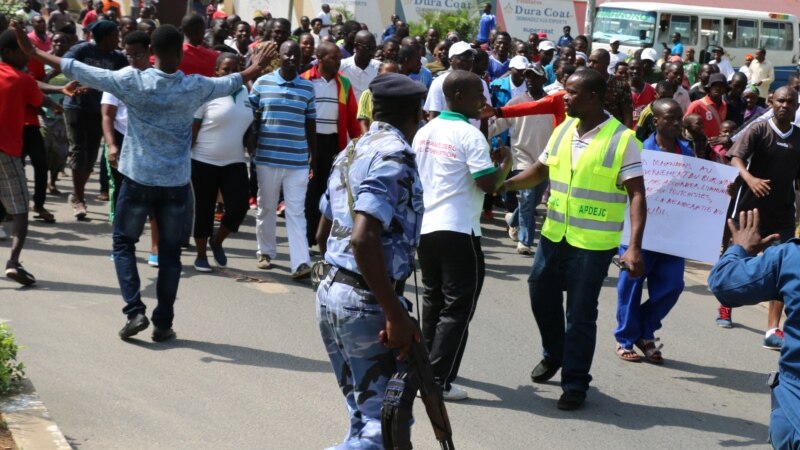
point(385, 184)
point(677, 49)
point(161, 107)
point(424, 76)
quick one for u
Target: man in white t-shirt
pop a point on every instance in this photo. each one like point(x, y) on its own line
point(325, 16)
point(361, 68)
point(456, 170)
point(724, 65)
point(462, 56)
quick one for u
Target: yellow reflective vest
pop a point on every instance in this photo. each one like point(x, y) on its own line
point(585, 204)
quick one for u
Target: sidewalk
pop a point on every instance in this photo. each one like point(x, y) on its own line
point(29, 422)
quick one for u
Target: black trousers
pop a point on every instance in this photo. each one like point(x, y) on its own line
point(207, 180)
point(322, 162)
point(33, 147)
point(453, 269)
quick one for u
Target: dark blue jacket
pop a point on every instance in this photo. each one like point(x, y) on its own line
point(738, 279)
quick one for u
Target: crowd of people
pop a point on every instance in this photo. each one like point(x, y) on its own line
point(383, 150)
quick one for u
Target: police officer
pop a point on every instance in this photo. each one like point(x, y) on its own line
point(372, 213)
point(594, 164)
point(741, 278)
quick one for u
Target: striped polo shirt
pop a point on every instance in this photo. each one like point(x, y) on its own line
point(285, 106)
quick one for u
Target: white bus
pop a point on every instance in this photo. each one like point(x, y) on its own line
point(738, 31)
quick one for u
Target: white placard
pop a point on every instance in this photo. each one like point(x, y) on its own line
point(686, 204)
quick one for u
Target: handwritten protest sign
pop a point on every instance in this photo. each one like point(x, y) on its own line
point(686, 204)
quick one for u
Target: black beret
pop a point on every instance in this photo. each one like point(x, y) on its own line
point(101, 29)
point(394, 86)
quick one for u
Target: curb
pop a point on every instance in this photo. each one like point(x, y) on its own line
point(29, 421)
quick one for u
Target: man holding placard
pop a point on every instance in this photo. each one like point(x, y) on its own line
point(636, 321)
point(768, 159)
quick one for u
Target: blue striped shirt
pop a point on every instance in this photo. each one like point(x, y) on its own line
point(285, 106)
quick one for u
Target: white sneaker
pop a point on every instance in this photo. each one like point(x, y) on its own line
point(523, 249)
point(512, 231)
point(455, 394)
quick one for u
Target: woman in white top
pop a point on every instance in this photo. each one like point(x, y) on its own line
point(218, 165)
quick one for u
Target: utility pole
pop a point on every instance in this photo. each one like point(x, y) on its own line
point(588, 26)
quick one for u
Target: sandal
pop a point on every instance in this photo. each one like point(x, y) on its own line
point(627, 354)
point(44, 214)
point(652, 352)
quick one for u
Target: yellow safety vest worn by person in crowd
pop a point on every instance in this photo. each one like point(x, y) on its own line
point(585, 204)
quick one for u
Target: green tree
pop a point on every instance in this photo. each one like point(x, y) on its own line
point(464, 22)
point(10, 7)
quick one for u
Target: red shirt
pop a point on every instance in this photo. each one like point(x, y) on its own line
point(18, 91)
point(642, 99)
point(712, 117)
point(198, 60)
point(89, 18)
point(551, 104)
point(35, 67)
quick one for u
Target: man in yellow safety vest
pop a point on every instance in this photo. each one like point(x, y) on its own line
point(594, 166)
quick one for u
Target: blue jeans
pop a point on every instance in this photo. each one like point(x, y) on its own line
point(557, 267)
point(637, 320)
point(524, 216)
point(171, 206)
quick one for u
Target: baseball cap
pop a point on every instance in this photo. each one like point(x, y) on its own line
point(581, 55)
point(546, 45)
point(716, 78)
point(535, 68)
point(518, 62)
point(649, 54)
point(460, 48)
point(542, 35)
point(614, 40)
point(257, 14)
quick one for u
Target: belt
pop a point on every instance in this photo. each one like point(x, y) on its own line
point(355, 280)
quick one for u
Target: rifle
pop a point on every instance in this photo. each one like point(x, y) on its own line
point(398, 402)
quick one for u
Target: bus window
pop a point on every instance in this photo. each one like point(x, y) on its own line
point(636, 28)
point(776, 36)
point(728, 32)
point(686, 26)
point(746, 34)
point(709, 32)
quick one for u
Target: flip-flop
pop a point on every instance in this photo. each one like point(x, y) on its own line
point(652, 352)
point(627, 354)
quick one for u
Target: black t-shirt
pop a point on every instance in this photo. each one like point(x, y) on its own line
point(88, 53)
point(736, 108)
point(696, 93)
point(773, 158)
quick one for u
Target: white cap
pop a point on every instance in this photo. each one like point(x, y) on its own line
point(518, 62)
point(581, 55)
point(650, 54)
point(546, 45)
point(460, 48)
point(614, 40)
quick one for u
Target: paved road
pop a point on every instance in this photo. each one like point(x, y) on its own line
point(249, 370)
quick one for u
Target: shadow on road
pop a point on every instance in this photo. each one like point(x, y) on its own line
point(604, 409)
point(722, 377)
point(245, 356)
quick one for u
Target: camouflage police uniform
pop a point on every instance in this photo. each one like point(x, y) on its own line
point(385, 185)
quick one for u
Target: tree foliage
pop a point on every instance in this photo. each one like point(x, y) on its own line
point(464, 22)
point(11, 371)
